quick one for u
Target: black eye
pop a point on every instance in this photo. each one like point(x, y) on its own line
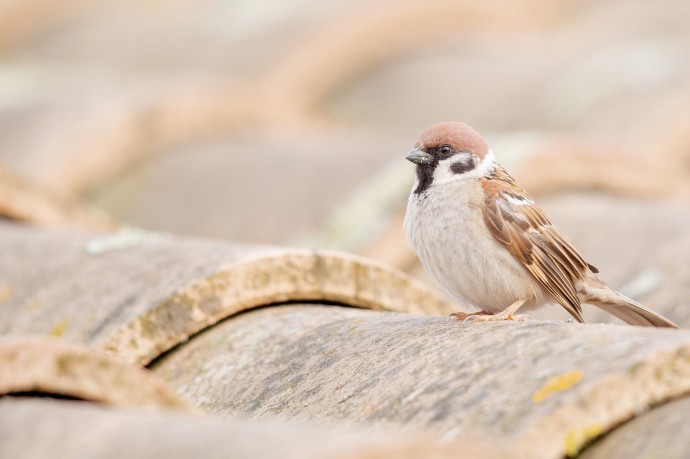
point(445, 149)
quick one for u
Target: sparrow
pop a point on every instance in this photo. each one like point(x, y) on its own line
point(484, 240)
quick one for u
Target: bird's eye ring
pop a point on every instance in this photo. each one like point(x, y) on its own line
point(445, 149)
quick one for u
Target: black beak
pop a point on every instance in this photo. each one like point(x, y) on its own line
point(419, 156)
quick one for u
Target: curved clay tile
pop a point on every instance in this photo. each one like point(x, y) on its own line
point(33, 429)
point(138, 294)
point(33, 366)
point(27, 202)
point(550, 387)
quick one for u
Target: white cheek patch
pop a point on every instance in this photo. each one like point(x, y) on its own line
point(444, 171)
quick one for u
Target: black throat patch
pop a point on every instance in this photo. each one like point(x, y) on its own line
point(425, 176)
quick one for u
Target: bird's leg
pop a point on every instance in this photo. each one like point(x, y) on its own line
point(483, 316)
point(467, 315)
point(507, 313)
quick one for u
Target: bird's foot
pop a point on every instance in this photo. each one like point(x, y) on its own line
point(484, 316)
point(488, 317)
point(468, 315)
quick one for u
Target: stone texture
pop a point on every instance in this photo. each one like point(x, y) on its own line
point(663, 432)
point(139, 293)
point(54, 368)
point(50, 428)
point(548, 386)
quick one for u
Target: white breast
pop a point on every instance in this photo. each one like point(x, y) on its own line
point(445, 228)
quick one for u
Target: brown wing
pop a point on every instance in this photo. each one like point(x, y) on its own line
point(514, 219)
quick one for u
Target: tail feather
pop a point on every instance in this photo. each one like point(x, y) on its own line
point(624, 308)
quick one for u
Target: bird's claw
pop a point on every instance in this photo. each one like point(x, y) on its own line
point(486, 317)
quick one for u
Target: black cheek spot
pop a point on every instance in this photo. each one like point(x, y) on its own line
point(462, 166)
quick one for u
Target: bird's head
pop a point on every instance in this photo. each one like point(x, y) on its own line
point(447, 151)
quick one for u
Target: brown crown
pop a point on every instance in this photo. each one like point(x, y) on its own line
point(459, 136)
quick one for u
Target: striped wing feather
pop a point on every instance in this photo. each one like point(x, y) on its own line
point(513, 219)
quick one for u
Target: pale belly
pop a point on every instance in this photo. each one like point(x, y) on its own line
point(457, 250)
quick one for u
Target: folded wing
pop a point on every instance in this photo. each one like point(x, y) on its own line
point(513, 219)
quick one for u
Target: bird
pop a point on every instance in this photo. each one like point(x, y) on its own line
point(488, 245)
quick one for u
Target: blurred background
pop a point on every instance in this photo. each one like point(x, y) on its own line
point(286, 122)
